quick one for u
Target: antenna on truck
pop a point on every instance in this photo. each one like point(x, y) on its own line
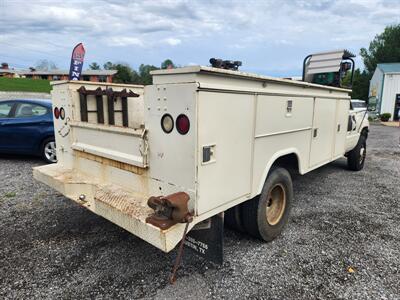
point(329, 68)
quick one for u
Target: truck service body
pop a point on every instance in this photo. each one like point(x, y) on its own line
point(239, 125)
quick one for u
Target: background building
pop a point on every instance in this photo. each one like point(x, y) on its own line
point(88, 75)
point(5, 71)
point(384, 89)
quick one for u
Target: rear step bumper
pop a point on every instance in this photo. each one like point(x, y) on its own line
point(124, 208)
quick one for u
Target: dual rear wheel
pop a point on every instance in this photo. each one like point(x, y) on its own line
point(265, 216)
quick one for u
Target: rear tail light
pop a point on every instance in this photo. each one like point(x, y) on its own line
point(62, 113)
point(167, 123)
point(182, 124)
point(56, 112)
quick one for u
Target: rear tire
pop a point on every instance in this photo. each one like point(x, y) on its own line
point(356, 157)
point(266, 215)
point(48, 151)
point(233, 218)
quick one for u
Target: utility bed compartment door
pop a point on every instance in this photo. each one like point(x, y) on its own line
point(322, 135)
point(225, 139)
point(116, 143)
point(342, 116)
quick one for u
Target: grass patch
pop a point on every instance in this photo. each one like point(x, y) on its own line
point(24, 85)
point(10, 194)
point(38, 198)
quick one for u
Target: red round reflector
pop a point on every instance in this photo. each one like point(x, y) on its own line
point(56, 112)
point(182, 124)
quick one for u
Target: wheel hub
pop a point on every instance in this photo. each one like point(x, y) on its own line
point(363, 153)
point(50, 151)
point(276, 204)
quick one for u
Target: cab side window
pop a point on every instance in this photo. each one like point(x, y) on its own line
point(5, 109)
point(25, 110)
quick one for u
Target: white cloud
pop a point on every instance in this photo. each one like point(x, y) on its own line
point(122, 41)
point(268, 36)
point(283, 42)
point(172, 41)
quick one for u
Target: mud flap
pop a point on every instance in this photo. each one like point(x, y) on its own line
point(207, 239)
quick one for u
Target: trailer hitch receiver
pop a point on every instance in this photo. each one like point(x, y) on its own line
point(169, 210)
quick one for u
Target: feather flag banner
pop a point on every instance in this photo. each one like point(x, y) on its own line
point(77, 57)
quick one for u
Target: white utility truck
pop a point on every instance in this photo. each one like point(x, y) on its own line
point(200, 141)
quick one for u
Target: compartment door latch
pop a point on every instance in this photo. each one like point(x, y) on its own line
point(208, 154)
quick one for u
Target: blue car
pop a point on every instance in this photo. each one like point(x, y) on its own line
point(26, 127)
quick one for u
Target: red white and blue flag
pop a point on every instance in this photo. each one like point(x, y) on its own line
point(77, 57)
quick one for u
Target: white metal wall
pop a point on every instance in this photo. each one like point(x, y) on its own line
point(391, 87)
point(172, 156)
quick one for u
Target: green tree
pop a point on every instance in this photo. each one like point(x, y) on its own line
point(167, 64)
point(384, 48)
point(45, 65)
point(124, 74)
point(94, 66)
point(144, 73)
point(108, 65)
point(360, 84)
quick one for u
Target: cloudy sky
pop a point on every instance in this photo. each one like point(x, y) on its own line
point(270, 37)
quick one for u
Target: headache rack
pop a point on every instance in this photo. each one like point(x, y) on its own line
point(111, 98)
point(329, 68)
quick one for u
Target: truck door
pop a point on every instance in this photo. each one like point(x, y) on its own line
point(342, 115)
point(353, 123)
point(323, 131)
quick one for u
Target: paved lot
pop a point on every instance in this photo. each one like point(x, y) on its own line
point(52, 248)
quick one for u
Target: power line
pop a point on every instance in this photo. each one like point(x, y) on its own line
point(33, 50)
point(44, 41)
point(13, 57)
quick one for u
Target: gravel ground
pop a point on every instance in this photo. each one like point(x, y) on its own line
point(53, 248)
